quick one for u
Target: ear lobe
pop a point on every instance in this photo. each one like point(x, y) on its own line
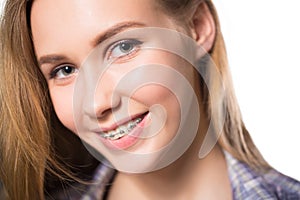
point(203, 28)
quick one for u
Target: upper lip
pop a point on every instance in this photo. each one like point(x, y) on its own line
point(119, 123)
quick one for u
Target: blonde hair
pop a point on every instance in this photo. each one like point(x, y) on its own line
point(24, 139)
point(235, 137)
point(27, 116)
point(29, 129)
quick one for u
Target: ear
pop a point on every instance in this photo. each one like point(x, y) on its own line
point(203, 27)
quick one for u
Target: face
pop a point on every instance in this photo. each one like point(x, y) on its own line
point(114, 81)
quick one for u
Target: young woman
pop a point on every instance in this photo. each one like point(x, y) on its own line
point(146, 87)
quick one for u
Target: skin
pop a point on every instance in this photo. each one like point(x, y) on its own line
point(75, 26)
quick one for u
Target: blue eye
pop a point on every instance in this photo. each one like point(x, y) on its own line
point(63, 72)
point(123, 48)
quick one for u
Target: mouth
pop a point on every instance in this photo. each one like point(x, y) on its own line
point(124, 129)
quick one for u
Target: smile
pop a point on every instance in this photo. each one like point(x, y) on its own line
point(122, 130)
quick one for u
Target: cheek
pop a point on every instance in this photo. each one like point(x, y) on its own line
point(153, 94)
point(159, 100)
point(165, 117)
point(62, 101)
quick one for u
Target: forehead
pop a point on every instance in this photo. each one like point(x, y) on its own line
point(61, 24)
point(76, 10)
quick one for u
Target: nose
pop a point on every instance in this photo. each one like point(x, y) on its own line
point(103, 99)
point(105, 103)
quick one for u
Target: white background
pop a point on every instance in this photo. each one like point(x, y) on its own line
point(263, 40)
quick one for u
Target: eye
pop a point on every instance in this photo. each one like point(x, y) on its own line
point(62, 72)
point(123, 48)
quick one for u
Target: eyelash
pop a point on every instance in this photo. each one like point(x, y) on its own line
point(55, 71)
point(134, 47)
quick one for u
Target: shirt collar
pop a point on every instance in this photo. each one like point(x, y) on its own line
point(246, 184)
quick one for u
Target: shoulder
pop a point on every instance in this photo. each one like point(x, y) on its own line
point(283, 186)
point(248, 184)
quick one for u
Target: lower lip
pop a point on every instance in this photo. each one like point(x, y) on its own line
point(127, 140)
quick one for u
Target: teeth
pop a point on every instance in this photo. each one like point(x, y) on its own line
point(121, 130)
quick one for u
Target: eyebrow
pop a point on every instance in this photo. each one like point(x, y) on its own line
point(114, 30)
point(51, 59)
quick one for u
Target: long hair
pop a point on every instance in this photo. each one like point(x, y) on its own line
point(31, 137)
point(27, 118)
point(24, 137)
point(235, 138)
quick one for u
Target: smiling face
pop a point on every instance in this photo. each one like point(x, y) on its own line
point(123, 87)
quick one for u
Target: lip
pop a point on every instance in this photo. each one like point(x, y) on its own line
point(127, 140)
point(119, 123)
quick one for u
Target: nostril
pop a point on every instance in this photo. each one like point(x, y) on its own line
point(104, 115)
point(104, 108)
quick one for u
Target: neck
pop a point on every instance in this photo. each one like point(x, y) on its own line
point(187, 178)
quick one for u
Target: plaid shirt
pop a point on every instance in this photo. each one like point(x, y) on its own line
point(246, 184)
